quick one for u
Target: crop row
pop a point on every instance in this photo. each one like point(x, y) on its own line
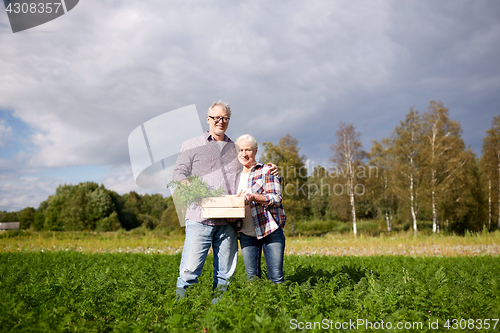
point(76, 292)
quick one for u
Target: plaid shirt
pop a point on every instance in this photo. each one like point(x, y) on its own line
point(270, 216)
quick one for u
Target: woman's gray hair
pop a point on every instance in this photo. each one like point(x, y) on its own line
point(249, 138)
point(222, 105)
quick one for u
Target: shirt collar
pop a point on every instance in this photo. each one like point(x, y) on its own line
point(257, 165)
point(210, 138)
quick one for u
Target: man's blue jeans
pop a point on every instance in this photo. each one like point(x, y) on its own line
point(273, 246)
point(199, 238)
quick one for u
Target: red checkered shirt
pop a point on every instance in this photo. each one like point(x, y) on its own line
point(270, 216)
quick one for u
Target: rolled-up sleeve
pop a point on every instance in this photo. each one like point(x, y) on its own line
point(272, 190)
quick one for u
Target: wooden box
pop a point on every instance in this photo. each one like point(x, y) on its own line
point(228, 206)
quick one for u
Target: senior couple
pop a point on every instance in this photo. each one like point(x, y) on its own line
point(232, 165)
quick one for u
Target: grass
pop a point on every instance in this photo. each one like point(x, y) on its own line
point(402, 243)
point(335, 244)
point(115, 242)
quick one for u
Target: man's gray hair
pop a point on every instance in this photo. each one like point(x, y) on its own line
point(222, 105)
point(249, 138)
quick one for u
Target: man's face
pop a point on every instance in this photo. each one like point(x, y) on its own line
point(218, 127)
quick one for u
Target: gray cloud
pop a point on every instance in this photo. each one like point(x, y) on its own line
point(287, 67)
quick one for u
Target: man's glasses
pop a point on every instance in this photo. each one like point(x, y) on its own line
point(217, 119)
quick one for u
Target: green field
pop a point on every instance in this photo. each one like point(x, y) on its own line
point(141, 240)
point(68, 291)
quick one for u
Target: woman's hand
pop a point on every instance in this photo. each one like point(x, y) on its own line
point(249, 197)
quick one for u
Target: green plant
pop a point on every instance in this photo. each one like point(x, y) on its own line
point(193, 191)
point(67, 291)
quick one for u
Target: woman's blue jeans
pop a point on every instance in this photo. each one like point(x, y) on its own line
point(273, 246)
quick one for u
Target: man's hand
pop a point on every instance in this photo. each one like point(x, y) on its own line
point(274, 169)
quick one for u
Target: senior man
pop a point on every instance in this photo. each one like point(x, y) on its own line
point(213, 157)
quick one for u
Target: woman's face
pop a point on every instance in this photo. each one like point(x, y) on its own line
point(246, 153)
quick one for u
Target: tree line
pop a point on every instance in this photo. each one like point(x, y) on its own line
point(421, 176)
point(90, 207)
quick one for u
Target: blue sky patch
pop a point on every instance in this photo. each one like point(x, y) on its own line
point(14, 135)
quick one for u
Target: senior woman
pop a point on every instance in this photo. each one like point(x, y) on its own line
point(262, 228)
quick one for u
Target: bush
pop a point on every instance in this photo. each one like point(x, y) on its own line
point(110, 223)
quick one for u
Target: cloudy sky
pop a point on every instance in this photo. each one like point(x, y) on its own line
point(73, 89)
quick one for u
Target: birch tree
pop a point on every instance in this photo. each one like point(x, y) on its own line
point(463, 203)
point(442, 151)
point(382, 157)
point(407, 146)
point(490, 163)
point(347, 155)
